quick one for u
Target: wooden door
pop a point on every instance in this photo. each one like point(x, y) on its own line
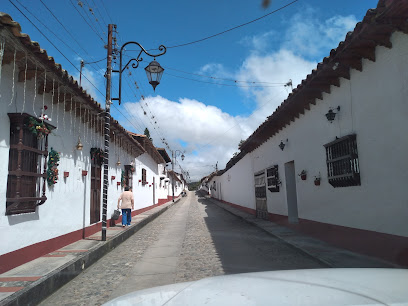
point(96, 181)
point(260, 196)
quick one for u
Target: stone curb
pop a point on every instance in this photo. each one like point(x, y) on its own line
point(347, 257)
point(37, 291)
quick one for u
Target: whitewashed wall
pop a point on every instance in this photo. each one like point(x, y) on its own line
point(237, 184)
point(374, 106)
point(144, 193)
point(67, 208)
point(162, 189)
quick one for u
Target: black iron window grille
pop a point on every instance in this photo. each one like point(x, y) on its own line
point(272, 178)
point(342, 162)
point(27, 166)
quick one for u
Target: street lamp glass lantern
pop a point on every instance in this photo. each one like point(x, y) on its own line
point(154, 73)
point(182, 156)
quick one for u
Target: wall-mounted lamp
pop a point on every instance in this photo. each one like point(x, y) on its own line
point(331, 114)
point(79, 145)
point(282, 144)
point(118, 162)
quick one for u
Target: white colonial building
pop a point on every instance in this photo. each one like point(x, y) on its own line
point(51, 147)
point(331, 160)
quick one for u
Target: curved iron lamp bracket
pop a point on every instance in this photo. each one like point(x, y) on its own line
point(135, 61)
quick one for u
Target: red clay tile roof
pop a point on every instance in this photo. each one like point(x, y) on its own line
point(20, 40)
point(148, 146)
point(375, 30)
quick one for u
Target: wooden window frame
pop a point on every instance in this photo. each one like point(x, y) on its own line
point(343, 168)
point(144, 180)
point(128, 176)
point(35, 156)
point(272, 178)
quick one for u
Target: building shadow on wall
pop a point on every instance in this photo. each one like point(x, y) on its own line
point(242, 247)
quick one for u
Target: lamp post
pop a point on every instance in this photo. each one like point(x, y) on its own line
point(154, 73)
point(174, 155)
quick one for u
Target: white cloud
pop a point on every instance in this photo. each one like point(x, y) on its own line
point(213, 135)
point(309, 37)
point(90, 79)
point(206, 129)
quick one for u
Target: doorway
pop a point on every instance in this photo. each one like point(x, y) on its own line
point(154, 191)
point(291, 195)
point(95, 213)
point(260, 196)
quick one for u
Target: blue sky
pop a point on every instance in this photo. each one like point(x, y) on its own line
point(206, 120)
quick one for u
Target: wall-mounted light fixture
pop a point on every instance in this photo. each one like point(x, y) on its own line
point(282, 144)
point(79, 146)
point(331, 114)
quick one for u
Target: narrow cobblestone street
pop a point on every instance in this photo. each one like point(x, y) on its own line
point(192, 240)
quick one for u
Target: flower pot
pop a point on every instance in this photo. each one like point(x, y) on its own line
point(118, 183)
point(66, 174)
point(84, 173)
point(140, 181)
point(113, 177)
point(317, 182)
point(303, 177)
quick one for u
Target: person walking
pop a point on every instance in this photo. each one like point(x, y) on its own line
point(127, 204)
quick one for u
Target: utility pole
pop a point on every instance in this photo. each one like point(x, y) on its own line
point(80, 72)
point(106, 131)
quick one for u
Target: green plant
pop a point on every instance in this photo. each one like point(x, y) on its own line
point(52, 170)
point(38, 128)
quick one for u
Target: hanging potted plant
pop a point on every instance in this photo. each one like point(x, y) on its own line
point(317, 180)
point(303, 175)
point(38, 128)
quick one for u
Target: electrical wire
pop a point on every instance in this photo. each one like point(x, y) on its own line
point(231, 29)
point(69, 33)
point(45, 36)
point(217, 78)
point(69, 61)
point(222, 84)
point(87, 22)
point(45, 26)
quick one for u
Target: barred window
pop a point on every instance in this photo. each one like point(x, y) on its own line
point(342, 162)
point(27, 166)
point(272, 178)
point(144, 181)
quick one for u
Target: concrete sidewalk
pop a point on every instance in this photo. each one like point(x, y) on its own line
point(325, 253)
point(30, 283)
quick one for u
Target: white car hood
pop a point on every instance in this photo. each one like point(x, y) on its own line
point(293, 287)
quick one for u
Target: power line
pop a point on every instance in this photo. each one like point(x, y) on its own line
point(45, 26)
point(103, 59)
point(107, 12)
point(217, 78)
point(45, 36)
point(87, 22)
point(231, 29)
point(222, 84)
point(68, 59)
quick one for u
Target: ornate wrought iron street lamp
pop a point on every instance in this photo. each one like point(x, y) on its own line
point(154, 71)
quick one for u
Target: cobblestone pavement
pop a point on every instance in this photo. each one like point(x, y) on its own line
point(214, 243)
